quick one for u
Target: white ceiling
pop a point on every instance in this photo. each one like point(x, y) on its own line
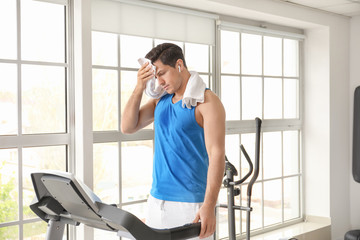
point(348, 8)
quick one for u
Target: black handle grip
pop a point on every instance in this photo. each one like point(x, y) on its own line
point(186, 231)
point(230, 167)
point(257, 156)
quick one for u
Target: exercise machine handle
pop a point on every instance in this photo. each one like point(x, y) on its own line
point(257, 156)
point(250, 167)
point(186, 231)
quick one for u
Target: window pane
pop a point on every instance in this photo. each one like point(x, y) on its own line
point(222, 215)
point(291, 98)
point(251, 98)
point(206, 80)
point(272, 202)
point(8, 99)
point(291, 58)
point(132, 48)
point(9, 233)
point(104, 49)
point(105, 100)
point(36, 159)
point(197, 57)
point(8, 29)
point(35, 230)
point(230, 52)
point(272, 98)
point(106, 172)
point(43, 33)
point(272, 56)
point(136, 186)
point(9, 205)
point(291, 152)
point(230, 97)
point(140, 210)
point(291, 198)
point(256, 214)
point(251, 54)
point(103, 234)
point(272, 154)
point(128, 83)
point(43, 99)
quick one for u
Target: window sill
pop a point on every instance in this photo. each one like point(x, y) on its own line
point(312, 228)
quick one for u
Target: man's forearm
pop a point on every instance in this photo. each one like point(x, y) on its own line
point(215, 176)
point(130, 116)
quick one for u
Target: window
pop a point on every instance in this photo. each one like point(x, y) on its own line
point(123, 163)
point(34, 124)
point(260, 77)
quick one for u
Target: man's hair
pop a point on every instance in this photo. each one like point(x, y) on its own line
point(167, 53)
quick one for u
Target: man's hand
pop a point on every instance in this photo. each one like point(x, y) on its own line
point(208, 221)
point(145, 73)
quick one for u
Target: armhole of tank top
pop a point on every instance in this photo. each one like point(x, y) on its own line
point(197, 124)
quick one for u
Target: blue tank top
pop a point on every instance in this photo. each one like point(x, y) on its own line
point(180, 159)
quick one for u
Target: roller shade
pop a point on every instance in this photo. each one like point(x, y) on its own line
point(260, 30)
point(153, 20)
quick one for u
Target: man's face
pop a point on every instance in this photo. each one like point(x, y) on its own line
point(169, 79)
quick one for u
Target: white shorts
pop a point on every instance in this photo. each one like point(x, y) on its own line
point(168, 214)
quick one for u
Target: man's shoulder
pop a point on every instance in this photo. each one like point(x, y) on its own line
point(210, 97)
point(211, 101)
point(211, 108)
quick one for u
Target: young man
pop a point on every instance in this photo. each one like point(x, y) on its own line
point(189, 144)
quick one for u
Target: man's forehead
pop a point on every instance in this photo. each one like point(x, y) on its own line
point(160, 66)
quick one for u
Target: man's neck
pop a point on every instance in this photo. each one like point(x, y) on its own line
point(178, 95)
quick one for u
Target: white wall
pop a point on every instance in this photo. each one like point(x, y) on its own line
point(354, 82)
point(339, 133)
point(316, 136)
point(326, 135)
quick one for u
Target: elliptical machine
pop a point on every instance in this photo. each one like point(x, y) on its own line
point(233, 191)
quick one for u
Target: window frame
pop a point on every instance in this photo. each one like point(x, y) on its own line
point(19, 140)
point(240, 127)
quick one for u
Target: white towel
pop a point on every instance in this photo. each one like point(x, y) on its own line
point(194, 92)
point(153, 89)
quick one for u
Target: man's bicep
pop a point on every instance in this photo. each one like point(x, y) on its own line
point(214, 126)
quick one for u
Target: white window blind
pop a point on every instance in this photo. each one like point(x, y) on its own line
point(224, 25)
point(149, 20)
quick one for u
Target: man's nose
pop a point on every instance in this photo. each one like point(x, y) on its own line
point(161, 81)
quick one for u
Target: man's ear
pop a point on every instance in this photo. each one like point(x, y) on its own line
point(179, 62)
